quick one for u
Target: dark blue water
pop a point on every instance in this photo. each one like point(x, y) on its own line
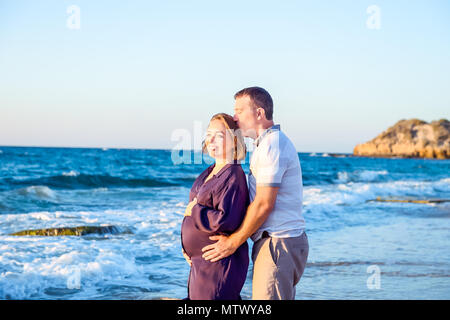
point(146, 191)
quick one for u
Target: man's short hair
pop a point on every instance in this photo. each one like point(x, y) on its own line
point(260, 99)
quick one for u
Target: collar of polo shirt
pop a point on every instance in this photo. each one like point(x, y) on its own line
point(273, 128)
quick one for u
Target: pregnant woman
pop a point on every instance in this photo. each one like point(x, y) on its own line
point(218, 202)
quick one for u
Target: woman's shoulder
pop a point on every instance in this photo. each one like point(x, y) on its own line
point(202, 176)
point(232, 178)
point(235, 172)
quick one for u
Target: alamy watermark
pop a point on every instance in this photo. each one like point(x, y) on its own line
point(374, 280)
point(188, 148)
point(191, 146)
point(73, 21)
point(373, 21)
point(74, 279)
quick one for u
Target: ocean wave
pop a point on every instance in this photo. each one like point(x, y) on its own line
point(44, 216)
point(442, 185)
point(342, 263)
point(75, 180)
point(39, 191)
point(344, 194)
point(71, 173)
point(361, 176)
point(70, 272)
point(416, 275)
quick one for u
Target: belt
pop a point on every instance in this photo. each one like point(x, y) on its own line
point(265, 234)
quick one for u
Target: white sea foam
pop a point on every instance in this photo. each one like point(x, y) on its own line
point(443, 185)
point(95, 263)
point(71, 173)
point(101, 189)
point(32, 266)
point(45, 216)
point(39, 191)
point(359, 192)
point(360, 176)
point(368, 175)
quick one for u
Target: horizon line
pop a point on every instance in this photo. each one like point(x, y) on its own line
point(139, 148)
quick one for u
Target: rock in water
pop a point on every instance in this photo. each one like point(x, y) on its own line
point(74, 231)
point(412, 138)
point(422, 201)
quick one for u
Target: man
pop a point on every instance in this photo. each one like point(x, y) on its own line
point(274, 218)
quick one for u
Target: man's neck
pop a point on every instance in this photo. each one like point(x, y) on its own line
point(266, 125)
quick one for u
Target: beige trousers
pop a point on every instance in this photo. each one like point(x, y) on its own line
point(278, 264)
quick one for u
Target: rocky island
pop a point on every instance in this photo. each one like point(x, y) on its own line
point(411, 138)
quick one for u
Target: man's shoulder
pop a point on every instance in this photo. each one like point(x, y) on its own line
point(278, 141)
point(272, 140)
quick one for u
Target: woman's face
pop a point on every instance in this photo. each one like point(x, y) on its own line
point(219, 141)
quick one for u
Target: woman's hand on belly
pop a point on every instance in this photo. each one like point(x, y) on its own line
point(187, 212)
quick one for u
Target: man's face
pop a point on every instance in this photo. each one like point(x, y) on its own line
point(246, 116)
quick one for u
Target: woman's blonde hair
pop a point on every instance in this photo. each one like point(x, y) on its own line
point(239, 150)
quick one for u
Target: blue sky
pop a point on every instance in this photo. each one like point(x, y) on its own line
point(136, 71)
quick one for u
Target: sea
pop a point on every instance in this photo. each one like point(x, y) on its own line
point(360, 248)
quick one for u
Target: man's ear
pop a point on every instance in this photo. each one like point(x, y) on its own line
point(261, 113)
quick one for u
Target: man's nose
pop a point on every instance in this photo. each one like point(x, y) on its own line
point(235, 118)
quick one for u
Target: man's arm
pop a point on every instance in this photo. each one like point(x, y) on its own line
point(257, 213)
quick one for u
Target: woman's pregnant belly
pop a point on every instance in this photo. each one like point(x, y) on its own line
point(193, 240)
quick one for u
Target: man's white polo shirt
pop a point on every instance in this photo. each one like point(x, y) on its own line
point(275, 162)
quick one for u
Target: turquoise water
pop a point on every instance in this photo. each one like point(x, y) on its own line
point(352, 239)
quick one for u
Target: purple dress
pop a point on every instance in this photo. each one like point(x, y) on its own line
point(221, 206)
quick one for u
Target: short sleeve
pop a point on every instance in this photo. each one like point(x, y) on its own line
point(270, 166)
